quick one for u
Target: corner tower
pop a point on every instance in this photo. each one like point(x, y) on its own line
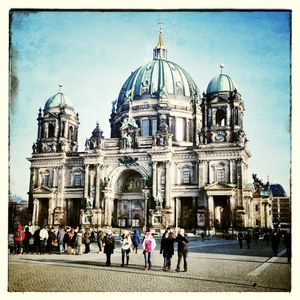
point(57, 126)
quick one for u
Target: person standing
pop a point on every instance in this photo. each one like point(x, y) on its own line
point(109, 246)
point(87, 240)
point(287, 242)
point(19, 236)
point(136, 240)
point(167, 248)
point(275, 240)
point(71, 237)
point(36, 241)
point(51, 242)
point(78, 242)
point(100, 236)
point(125, 247)
point(27, 239)
point(43, 239)
point(240, 237)
point(149, 245)
point(248, 239)
point(182, 241)
point(60, 239)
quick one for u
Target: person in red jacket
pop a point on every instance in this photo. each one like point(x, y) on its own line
point(19, 236)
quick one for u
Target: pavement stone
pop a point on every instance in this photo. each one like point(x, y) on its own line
point(207, 271)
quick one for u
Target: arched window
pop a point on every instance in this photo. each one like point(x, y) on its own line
point(220, 175)
point(145, 127)
point(46, 178)
point(220, 117)
point(51, 130)
point(179, 129)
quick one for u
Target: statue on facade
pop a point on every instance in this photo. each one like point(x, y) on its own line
point(158, 201)
point(34, 148)
point(89, 202)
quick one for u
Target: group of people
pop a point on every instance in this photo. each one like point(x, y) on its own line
point(70, 241)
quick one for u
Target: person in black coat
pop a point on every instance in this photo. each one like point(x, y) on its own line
point(109, 246)
point(167, 248)
point(182, 241)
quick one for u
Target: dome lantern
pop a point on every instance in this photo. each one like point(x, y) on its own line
point(160, 52)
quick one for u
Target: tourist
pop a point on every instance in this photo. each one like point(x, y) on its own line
point(36, 241)
point(148, 247)
point(27, 239)
point(43, 239)
point(240, 237)
point(125, 247)
point(78, 243)
point(87, 240)
point(182, 241)
point(167, 248)
point(100, 237)
point(275, 241)
point(248, 239)
point(109, 246)
point(71, 237)
point(60, 239)
point(19, 236)
point(51, 242)
point(136, 240)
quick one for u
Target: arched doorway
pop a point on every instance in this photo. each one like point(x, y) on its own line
point(129, 203)
point(222, 212)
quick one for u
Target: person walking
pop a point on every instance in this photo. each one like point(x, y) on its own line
point(248, 239)
point(136, 240)
point(109, 246)
point(182, 241)
point(60, 239)
point(167, 248)
point(19, 236)
point(287, 242)
point(275, 241)
point(240, 237)
point(149, 245)
point(27, 239)
point(125, 247)
point(87, 240)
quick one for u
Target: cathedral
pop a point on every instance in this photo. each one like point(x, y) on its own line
point(175, 157)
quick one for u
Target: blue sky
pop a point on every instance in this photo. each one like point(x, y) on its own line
point(93, 53)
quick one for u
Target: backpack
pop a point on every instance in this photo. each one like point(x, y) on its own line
point(148, 245)
point(18, 234)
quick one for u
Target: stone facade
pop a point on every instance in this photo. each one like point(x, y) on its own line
point(174, 157)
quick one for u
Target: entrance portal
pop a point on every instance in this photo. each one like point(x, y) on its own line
point(222, 212)
point(43, 212)
point(129, 208)
point(73, 212)
point(188, 216)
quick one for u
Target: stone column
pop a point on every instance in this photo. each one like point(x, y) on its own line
point(154, 178)
point(186, 130)
point(211, 211)
point(168, 183)
point(35, 210)
point(86, 181)
point(61, 185)
point(66, 127)
point(97, 195)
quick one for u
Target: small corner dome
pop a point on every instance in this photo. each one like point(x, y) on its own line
point(59, 100)
point(221, 83)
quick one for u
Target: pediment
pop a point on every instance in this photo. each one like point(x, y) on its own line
point(218, 186)
point(43, 190)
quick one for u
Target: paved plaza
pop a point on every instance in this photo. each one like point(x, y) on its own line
point(213, 266)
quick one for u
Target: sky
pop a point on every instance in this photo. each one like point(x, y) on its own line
point(92, 54)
